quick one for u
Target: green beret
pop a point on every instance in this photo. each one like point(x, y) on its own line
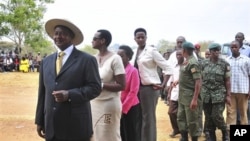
point(214, 45)
point(187, 45)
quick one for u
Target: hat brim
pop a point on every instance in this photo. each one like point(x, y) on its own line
point(51, 24)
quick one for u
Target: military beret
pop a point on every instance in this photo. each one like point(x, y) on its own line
point(214, 45)
point(187, 45)
point(197, 46)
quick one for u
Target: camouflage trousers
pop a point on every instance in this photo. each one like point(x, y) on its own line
point(214, 116)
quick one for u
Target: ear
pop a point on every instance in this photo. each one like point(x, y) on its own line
point(103, 41)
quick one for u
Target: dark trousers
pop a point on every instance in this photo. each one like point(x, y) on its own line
point(172, 112)
point(214, 116)
point(55, 139)
point(38, 66)
point(9, 67)
point(130, 125)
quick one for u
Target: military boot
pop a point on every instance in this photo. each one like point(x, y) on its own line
point(195, 138)
point(184, 136)
point(225, 136)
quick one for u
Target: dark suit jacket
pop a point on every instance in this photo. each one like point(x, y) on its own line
point(70, 120)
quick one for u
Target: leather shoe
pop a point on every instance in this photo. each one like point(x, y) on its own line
point(173, 134)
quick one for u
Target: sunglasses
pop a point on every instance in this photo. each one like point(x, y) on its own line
point(95, 38)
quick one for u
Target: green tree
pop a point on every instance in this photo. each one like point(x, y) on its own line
point(37, 42)
point(204, 45)
point(163, 45)
point(22, 19)
point(6, 45)
point(89, 49)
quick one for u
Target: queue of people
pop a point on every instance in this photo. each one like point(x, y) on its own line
point(113, 96)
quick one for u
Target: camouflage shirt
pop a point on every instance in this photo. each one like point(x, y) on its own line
point(213, 80)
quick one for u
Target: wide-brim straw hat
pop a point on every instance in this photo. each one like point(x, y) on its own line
point(51, 24)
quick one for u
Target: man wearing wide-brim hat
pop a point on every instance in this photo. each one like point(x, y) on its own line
point(68, 80)
point(189, 89)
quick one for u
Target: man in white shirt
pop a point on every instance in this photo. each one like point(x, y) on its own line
point(172, 59)
point(174, 93)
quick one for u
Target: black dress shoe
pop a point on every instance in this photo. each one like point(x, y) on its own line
point(173, 134)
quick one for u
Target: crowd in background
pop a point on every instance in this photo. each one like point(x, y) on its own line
point(13, 62)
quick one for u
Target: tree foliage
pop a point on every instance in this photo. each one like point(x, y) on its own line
point(163, 45)
point(21, 22)
point(37, 42)
point(89, 49)
point(204, 45)
point(6, 45)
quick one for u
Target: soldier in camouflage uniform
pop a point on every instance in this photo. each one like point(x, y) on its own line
point(189, 89)
point(215, 92)
point(197, 48)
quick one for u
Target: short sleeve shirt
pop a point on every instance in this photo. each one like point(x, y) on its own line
point(189, 73)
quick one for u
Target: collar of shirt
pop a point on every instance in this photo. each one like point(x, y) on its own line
point(67, 52)
point(244, 46)
point(231, 57)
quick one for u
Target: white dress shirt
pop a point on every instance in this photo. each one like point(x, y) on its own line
point(147, 62)
point(67, 52)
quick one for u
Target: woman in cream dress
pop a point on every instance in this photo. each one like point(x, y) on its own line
point(107, 107)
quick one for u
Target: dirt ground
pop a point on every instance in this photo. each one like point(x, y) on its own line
point(18, 97)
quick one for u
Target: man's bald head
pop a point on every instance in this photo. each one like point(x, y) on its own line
point(179, 41)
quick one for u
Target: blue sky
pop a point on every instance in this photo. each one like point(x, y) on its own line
point(197, 20)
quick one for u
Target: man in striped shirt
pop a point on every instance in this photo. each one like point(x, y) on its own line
point(240, 69)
